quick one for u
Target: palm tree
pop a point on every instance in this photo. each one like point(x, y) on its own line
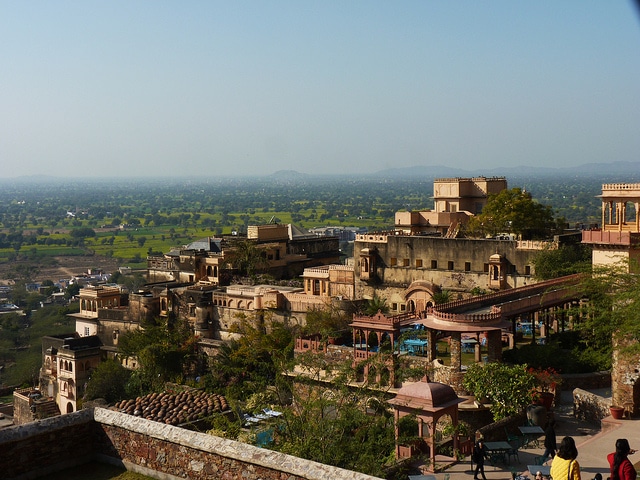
point(375, 305)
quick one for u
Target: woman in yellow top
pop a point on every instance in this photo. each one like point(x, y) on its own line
point(564, 465)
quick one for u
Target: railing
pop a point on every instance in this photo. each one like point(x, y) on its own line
point(611, 237)
point(620, 186)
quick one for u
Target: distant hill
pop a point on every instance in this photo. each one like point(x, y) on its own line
point(624, 171)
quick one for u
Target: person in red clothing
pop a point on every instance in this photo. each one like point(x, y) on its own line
point(621, 466)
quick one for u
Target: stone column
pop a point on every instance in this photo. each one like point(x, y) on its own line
point(432, 347)
point(494, 345)
point(456, 352)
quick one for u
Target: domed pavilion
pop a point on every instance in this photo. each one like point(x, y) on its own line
point(428, 401)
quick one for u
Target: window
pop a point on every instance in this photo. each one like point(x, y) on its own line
point(86, 331)
point(449, 265)
point(467, 266)
point(394, 306)
point(393, 262)
point(486, 268)
point(527, 270)
point(406, 262)
point(418, 263)
point(403, 307)
point(434, 264)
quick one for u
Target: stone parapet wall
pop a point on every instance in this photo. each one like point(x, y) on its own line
point(587, 381)
point(186, 454)
point(35, 449)
point(151, 448)
point(589, 406)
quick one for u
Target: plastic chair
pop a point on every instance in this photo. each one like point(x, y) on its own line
point(510, 437)
point(513, 452)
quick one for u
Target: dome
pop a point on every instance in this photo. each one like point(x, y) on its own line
point(433, 394)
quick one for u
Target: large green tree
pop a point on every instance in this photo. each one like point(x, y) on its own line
point(612, 311)
point(335, 424)
point(108, 381)
point(509, 388)
point(165, 351)
point(565, 260)
point(513, 211)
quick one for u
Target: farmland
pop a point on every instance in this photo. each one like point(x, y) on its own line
point(46, 223)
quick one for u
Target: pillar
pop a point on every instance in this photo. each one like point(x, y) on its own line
point(456, 352)
point(432, 347)
point(494, 345)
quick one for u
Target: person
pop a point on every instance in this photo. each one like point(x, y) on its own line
point(620, 466)
point(564, 464)
point(477, 457)
point(550, 441)
point(538, 475)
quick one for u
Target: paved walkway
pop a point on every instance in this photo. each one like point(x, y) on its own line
point(594, 442)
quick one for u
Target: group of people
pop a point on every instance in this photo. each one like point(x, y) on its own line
point(564, 464)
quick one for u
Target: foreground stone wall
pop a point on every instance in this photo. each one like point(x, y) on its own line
point(38, 448)
point(152, 448)
point(589, 406)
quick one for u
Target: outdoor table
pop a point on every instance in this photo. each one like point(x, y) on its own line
point(414, 345)
point(545, 470)
point(531, 434)
point(469, 345)
point(497, 451)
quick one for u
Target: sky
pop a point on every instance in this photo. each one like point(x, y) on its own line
point(210, 88)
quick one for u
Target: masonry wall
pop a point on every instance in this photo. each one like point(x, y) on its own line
point(151, 448)
point(40, 447)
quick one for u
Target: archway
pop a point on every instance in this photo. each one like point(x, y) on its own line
point(419, 295)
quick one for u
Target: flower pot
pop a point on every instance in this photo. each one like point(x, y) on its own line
point(546, 399)
point(616, 412)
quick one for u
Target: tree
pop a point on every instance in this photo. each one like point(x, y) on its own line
point(82, 232)
point(513, 211)
point(249, 258)
point(328, 322)
point(337, 425)
point(108, 381)
point(613, 310)
point(509, 388)
point(565, 260)
point(375, 305)
point(165, 351)
point(441, 297)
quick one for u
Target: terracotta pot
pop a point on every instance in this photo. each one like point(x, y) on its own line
point(546, 399)
point(616, 412)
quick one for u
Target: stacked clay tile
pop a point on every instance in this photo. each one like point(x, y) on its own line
point(174, 409)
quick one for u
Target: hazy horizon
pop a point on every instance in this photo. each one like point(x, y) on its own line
point(129, 89)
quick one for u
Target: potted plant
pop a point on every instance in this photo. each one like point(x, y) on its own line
point(547, 381)
point(616, 412)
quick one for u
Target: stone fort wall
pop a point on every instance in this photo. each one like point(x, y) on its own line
point(151, 448)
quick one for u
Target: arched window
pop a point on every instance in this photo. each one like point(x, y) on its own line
point(364, 265)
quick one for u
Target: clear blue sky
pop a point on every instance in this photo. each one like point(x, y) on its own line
point(206, 87)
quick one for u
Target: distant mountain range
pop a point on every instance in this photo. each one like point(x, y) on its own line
point(606, 172)
point(624, 170)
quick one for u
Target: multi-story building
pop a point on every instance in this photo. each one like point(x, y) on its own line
point(285, 251)
point(455, 200)
point(617, 241)
point(407, 270)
